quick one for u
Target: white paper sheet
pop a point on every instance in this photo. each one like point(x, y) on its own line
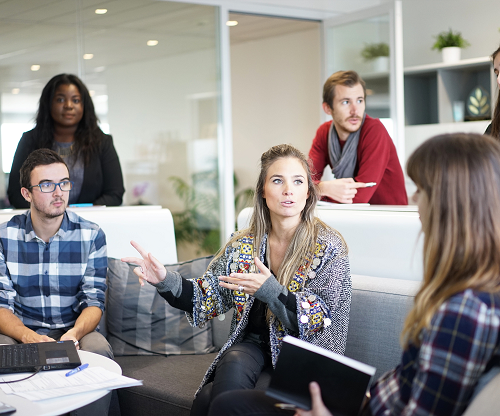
point(51, 384)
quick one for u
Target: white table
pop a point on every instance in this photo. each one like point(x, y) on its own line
point(54, 407)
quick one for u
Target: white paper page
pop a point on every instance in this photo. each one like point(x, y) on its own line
point(51, 384)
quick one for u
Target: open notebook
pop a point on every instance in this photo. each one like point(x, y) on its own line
point(343, 381)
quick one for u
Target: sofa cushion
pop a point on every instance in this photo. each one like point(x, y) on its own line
point(378, 310)
point(141, 322)
point(169, 384)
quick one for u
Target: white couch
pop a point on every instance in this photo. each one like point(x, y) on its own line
point(149, 225)
point(382, 241)
point(381, 299)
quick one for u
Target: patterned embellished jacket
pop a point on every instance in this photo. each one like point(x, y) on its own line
point(322, 287)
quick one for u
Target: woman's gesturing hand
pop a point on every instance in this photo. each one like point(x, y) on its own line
point(150, 268)
point(248, 283)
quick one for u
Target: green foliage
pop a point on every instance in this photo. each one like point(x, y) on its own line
point(199, 222)
point(374, 50)
point(450, 38)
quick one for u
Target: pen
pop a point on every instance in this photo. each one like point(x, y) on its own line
point(77, 369)
point(369, 184)
point(80, 205)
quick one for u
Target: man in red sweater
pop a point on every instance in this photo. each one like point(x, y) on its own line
point(357, 147)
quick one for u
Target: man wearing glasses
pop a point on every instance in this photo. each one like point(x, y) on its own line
point(52, 264)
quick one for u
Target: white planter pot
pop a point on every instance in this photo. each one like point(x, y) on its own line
point(381, 64)
point(451, 54)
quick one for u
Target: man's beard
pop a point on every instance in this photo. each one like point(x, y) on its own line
point(54, 213)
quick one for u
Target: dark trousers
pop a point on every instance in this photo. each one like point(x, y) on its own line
point(246, 403)
point(240, 367)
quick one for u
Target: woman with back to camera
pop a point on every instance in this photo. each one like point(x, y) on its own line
point(451, 336)
point(494, 128)
point(287, 273)
point(66, 122)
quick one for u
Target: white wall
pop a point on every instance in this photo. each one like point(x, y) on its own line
point(154, 122)
point(276, 97)
point(477, 20)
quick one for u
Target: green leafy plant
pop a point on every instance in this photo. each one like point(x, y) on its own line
point(374, 50)
point(448, 39)
point(199, 222)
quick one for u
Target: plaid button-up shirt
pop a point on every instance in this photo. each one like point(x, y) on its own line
point(47, 285)
point(438, 378)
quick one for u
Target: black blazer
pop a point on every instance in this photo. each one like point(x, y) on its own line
point(102, 178)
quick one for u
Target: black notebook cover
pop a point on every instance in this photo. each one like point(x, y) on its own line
point(343, 381)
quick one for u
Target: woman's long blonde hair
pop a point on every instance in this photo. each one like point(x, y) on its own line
point(304, 239)
point(458, 175)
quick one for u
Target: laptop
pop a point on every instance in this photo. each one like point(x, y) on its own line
point(343, 381)
point(21, 358)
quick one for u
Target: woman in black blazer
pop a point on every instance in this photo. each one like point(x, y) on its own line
point(66, 122)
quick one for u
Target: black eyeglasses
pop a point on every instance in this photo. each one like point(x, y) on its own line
point(47, 187)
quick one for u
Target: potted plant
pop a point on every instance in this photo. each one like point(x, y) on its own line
point(378, 53)
point(450, 44)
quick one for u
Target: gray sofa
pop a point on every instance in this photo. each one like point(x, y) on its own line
point(378, 309)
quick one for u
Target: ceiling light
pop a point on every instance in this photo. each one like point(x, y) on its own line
point(101, 11)
point(88, 56)
point(99, 69)
point(91, 93)
point(35, 67)
point(152, 42)
point(231, 23)
point(15, 90)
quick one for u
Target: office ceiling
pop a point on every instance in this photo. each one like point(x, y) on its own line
point(48, 33)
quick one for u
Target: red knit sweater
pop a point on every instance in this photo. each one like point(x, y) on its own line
point(377, 162)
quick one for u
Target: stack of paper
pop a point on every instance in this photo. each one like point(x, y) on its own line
point(51, 384)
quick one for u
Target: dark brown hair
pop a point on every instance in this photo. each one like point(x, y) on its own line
point(39, 157)
point(346, 78)
point(458, 177)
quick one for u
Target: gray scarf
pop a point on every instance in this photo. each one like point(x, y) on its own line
point(343, 161)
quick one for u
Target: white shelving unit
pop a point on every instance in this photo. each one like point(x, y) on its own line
point(431, 89)
point(378, 100)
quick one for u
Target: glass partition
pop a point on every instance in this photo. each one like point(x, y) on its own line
point(364, 47)
point(370, 42)
point(152, 69)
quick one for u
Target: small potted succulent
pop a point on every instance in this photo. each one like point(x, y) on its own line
point(378, 53)
point(450, 44)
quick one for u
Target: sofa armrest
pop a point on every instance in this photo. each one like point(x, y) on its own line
point(485, 402)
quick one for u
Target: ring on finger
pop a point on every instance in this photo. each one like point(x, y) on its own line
point(142, 271)
point(240, 288)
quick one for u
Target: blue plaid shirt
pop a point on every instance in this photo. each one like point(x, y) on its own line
point(47, 285)
point(438, 378)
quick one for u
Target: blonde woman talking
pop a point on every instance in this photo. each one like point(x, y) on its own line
point(451, 337)
point(288, 273)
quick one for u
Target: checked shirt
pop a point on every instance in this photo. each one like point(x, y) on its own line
point(438, 378)
point(47, 285)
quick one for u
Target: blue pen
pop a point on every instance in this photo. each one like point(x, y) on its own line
point(80, 205)
point(77, 369)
